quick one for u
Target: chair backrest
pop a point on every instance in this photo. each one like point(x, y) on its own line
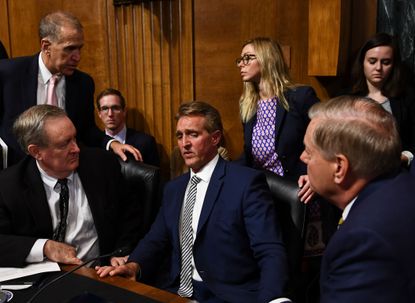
point(291, 213)
point(143, 185)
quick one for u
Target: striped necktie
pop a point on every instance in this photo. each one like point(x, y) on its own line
point(186, 240)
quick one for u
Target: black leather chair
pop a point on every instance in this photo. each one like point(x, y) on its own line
point(291, 213)
point(143, 185)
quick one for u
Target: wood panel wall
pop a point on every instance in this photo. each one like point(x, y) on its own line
point(163, 52)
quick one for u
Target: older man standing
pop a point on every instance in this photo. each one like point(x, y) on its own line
point(60, 202)
point(352, 152)
point(51, 77)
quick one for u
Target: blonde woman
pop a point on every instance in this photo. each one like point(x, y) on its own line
point(274, 111)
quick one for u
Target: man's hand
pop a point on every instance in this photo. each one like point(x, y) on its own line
point(128, 270)
point(117, 261)
point(60, 252)
point(120, 149)
point(305, 193)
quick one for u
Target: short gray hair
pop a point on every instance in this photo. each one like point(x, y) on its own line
point(51, 24)
point(29, 127)
point(360, 129)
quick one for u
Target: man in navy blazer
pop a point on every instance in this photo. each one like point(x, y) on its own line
point(352, 152)
point(100, 217)
point(112, 112)
point(237, 252)
point(24, 82)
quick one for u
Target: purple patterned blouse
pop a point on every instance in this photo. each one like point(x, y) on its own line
point(264, 136)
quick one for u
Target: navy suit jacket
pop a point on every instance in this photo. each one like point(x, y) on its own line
point(238, 249)
point(146, 144)
point(18, 92)
point(290, 127)
point(370, 258)
point(25, 215)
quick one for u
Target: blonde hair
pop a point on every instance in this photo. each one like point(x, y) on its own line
point(275, 77)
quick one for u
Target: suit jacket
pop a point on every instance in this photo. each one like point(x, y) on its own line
point(3, 52)
point(403, 109)
point(25, 215)
point(290, 127)
point(146, 144)
point(18, 92)
point(371, 256)
point(238, 250)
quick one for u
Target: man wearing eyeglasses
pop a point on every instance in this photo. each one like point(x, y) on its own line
point(112, 112)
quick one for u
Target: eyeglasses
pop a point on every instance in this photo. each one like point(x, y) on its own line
point(114, 109)
point(245, 59)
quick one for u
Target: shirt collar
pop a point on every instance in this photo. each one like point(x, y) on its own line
point(346, 210)
point(206, 172)
point(44, 72)
point(120, 136)
point(49, 180)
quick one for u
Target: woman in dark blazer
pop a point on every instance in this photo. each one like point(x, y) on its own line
point(378, 74)
point(273, 109)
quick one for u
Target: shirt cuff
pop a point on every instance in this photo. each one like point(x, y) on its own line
point(409, 155)
point(280, 300)
point(36, 253)
point(107, 147)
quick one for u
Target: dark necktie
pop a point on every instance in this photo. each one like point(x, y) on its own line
point(186, 240)
point(59, 233)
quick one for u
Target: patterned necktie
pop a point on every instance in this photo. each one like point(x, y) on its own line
point(52, 98)
point(59, 233)
point(186, 241)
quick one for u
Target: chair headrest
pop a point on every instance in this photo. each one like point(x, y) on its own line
point(133, 169)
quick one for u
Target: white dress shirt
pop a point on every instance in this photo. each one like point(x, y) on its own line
point(204, 174)
point(80, 231)
point(121, 136)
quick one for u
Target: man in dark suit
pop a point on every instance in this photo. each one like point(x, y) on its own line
point(25, 81)
point(352, 152)
point(112, 112)
point(60, 202)
point(228, 247)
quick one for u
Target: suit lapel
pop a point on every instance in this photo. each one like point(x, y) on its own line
point(212, 192)
point(280, 117)
point(29, 83)
point(177, 205)
point(71, 94)
point(396, 110)
point(35, 199)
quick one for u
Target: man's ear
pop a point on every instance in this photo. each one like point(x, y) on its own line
point(34, 151)
point(341, 168)
point(45, 45)
point(216, 137)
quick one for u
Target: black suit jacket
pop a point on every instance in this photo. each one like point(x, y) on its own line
point(146, 144)
point(290, 128)
point(25, 215)
point(18, 92)
point(403, 109)
point(3, 53)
